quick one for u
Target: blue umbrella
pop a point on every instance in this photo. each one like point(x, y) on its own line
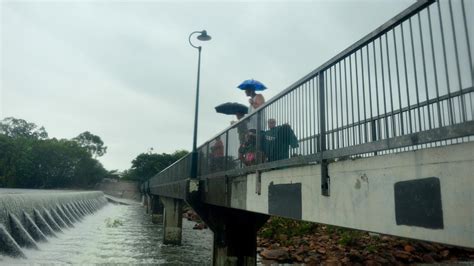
point(251, 84)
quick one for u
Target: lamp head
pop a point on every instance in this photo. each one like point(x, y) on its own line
point(203, 36)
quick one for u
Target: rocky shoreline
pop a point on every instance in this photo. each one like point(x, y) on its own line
point(286, 241)
point(350, 247)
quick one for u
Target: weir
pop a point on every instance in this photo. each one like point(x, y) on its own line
point(28, 216)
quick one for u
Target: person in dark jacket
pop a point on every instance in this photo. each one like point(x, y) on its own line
point(278, 140)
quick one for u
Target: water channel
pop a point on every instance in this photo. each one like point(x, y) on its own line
point(119, 234)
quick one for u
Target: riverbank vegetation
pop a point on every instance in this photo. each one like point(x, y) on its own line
point(30, 159)
point(146, 165)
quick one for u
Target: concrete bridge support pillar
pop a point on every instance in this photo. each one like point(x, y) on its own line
point(156, 210)
point(235, 234)
point(147, 203)
point(172, 220)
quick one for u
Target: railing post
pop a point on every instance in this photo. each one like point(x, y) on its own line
point(373, 128)
point(322, 126)
point(259, 147)
point(226, 152)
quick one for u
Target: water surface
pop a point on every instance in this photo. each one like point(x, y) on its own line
point(120, 234)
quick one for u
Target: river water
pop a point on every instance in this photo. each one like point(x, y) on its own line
point(119, 234)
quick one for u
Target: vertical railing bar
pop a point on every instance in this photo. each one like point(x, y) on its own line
point(383, 89)
point(298, 114)
point(318, 122)
point(307, 111)
point(398, 82)
point(336, 105)
point(352, 99)
point(468, 42)
point(379, 135)
point(406, 79)
point(326, 101)
point(450, 107)
point(358, 99)
point(295, 115)
point(424, 70)
point(462, 96)
point(347, 102)
point(330, 106)
point(311, 114)
point(309, 123)
point(390, 85)
point(416, 76)
point(315, 114)
point(342, 109)
point(301, 119)
point(440, 121)
point(363, 93)
point(226, 154)
point(322, 110)
point(370, 81)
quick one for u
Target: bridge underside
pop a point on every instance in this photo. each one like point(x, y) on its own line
point(424, 194)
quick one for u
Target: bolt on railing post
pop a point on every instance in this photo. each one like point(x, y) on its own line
point(322, 126)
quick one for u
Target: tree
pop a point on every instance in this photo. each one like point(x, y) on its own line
point(92, 143)
point(29, 159)
point(16, 128)
point(148, 164)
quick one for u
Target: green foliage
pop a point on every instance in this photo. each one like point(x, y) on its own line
point(278, 226)
point(347, 237)
point(28, 160)
point(146, 165)
point(19, 128)
point(92, 143)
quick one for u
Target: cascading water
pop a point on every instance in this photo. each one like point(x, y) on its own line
point(113, 234)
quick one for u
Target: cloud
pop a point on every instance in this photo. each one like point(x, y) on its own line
point(125, 70)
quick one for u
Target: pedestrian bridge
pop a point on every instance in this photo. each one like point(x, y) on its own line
point(379, 138)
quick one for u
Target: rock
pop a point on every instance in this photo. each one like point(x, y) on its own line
point(445, 253)
point(428, 246)
point(428, 259)
point(371, 263)
point(297, 258)
point(409, 248)
point(300, 250)
point(401, 255)
point(275, 254)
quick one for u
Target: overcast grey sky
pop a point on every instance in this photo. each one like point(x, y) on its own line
point(124, 70)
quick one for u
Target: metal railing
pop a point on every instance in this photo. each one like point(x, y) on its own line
point(407, 85)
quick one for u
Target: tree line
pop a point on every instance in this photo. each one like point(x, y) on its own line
point(30, 159)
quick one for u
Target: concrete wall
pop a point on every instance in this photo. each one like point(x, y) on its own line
point(120, 189)
point(426, 194)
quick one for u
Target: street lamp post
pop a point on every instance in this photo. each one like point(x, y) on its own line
point(194, 155)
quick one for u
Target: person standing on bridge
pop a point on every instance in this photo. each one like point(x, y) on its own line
point(250, 151)
point(256, 100)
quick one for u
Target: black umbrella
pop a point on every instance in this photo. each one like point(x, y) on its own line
point(232, 108)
